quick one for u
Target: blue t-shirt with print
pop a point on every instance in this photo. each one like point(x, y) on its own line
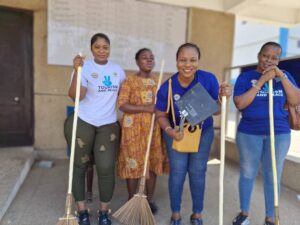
point(255, 117)
point(206, 79)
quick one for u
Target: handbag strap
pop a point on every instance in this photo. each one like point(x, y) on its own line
point(170, 102)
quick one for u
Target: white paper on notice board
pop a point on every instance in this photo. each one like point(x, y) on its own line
point(130, 25)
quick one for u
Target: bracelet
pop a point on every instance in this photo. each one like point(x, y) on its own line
point(168, 128)
point(256, 87)
point(282, 77)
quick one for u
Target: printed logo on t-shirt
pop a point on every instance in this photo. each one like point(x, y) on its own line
point(176, 97)
point(108, 85)
point(265, 90)
point(107, 81)
point(94, 75)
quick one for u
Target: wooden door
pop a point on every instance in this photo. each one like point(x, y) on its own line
point(16, 79)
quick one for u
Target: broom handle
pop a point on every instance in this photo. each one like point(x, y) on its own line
point(152, 121)
point(222, 158)
point(78, 84)
point(272, 140)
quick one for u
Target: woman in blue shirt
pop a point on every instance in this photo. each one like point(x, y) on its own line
point(188, 75)
point(253, 136)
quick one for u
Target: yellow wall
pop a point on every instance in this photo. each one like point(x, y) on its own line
point(212, 31)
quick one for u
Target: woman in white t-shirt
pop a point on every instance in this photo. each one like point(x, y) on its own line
point(98, 130)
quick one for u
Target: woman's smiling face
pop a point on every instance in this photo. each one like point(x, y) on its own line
point(188, 61)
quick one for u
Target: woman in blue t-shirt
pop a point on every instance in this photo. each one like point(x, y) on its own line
point(253, 136)
point(188, 75)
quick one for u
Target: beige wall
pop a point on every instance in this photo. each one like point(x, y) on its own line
point(212, 31)
point(50, 91)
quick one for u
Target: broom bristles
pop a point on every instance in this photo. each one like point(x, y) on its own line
point(136, 211)
point(67, 220)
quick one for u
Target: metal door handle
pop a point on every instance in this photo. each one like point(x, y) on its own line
point(17, 99)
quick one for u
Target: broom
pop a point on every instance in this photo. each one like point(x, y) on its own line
point(272, 140)
point(137, 210)
point(68, 218)
point(222, 159)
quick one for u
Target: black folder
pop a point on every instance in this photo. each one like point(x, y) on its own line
point(197, 105)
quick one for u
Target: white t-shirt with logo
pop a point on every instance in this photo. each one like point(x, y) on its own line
point(98, 107)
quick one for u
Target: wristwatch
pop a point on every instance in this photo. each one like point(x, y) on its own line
point(281, 78)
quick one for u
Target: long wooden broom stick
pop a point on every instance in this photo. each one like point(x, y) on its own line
point(222, 159)
point(136, 211)
point(143, 179)
point(68, 218)
point(272, 143)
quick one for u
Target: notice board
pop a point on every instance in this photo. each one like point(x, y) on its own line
point(130, 25)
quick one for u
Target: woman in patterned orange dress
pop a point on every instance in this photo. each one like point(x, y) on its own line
point(136, 101)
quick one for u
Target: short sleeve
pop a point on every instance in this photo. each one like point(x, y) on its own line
point(84, 81)
point(240, 86)
point(162, 97)
point(214, 88)
point(122, 75)
point(124, 94)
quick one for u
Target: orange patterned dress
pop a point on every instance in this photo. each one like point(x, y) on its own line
point(136, 90)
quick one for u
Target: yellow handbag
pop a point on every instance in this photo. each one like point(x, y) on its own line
point(191, 135)
point(190, 141)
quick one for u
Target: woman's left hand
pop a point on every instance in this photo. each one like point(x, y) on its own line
point(225, 90)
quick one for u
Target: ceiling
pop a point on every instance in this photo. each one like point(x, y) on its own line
point(280, 12)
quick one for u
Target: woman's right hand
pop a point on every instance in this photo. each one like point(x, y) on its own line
point(78, 61)
point(175, 133)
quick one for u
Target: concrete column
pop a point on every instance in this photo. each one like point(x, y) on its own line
point(213, 32)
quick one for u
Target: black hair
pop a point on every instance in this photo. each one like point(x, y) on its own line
point(190, 45)
point(137, 55)
point(270, 43)
point(99, 35)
